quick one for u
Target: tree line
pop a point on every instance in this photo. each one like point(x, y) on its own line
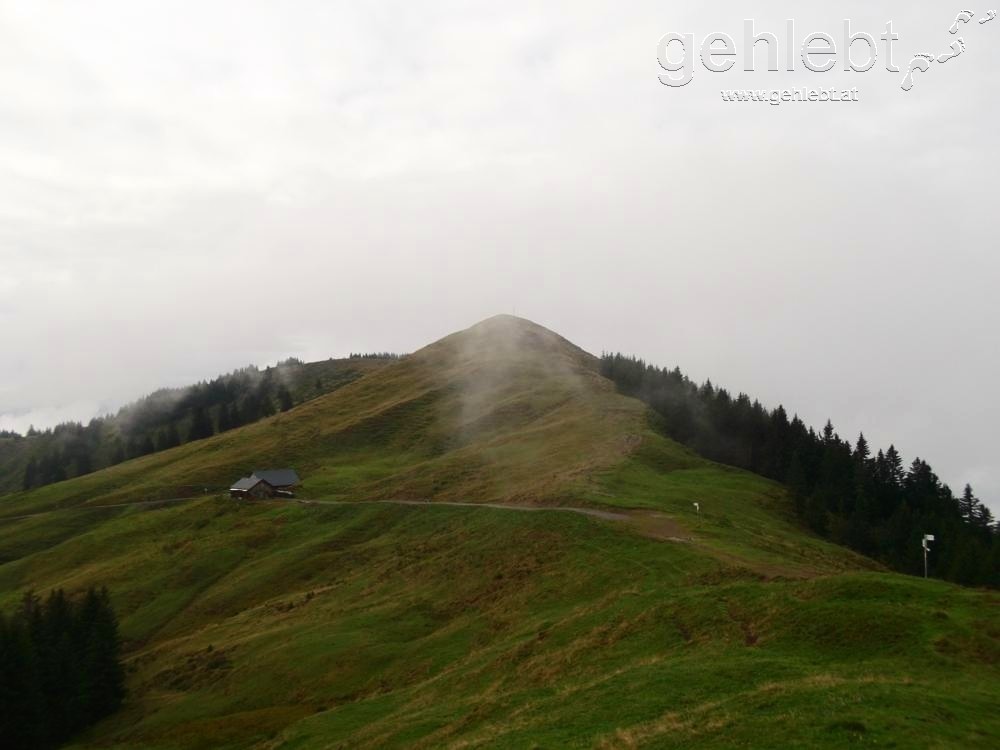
point(165, 419)
point(60, 668)
point(375, 355)
point(162, 420)
point(869, 502)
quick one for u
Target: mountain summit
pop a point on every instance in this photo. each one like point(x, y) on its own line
point(505, 410)
point(606, 588)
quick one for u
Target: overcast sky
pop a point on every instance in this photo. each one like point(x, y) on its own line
point(188, 187)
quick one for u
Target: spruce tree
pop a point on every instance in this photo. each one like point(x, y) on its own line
point(30, 474)
point(117, 452)
point(266, 405)
point(895, 465)
point(828, 434)
point(84, 464)
point(983, 518)
point(168, 438)
point(60, 668)
point(250, 411)
point(23, 721)
point(967, 504)
point(104, 679)
point(201, 425)
point(235, 416)
point(225, 418)
point(861, 450)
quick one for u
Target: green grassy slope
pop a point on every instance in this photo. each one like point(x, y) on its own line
point(374, 625)
point(304, 382)
point(368, 624)
point(506, 410)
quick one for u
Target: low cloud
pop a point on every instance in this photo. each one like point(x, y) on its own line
point(49, 416)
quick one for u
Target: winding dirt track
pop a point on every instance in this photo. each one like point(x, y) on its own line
point(606, 515)
point(649, 523)
point(593, 512)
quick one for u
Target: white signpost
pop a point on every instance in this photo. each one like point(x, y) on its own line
point(928, 538)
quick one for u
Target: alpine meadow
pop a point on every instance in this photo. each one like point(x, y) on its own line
point(499, 376)
point(499, 541)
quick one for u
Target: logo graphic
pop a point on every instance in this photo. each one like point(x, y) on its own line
point(818, 53)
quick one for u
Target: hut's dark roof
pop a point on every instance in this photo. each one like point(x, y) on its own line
point(247, 483)
point(277, 477)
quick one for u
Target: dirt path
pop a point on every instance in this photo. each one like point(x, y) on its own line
point(658, 526)
point(605, 515)
point(648, 523)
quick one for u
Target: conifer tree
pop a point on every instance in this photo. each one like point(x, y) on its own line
point(266, 405)
point(235, 416)
point(983, 517)
point(201, 425)
point(828, 434)
point(60, 668)
point(173, 436)
point(895, 465)
point(117, 452)
point(861, 450)
point(31, 474)
point(22, 704)
point(225, 418)
point(968, 504)
point(284, 398)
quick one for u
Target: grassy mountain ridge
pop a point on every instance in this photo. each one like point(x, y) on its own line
point(502, 412)
point(166, 418)
point(372, 624)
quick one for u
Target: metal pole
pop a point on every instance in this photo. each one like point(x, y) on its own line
point(925, 559)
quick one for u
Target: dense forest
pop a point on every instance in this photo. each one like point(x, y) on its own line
point(60, 669)
point(869, 502)
point(170, 417)
point(375, 355)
